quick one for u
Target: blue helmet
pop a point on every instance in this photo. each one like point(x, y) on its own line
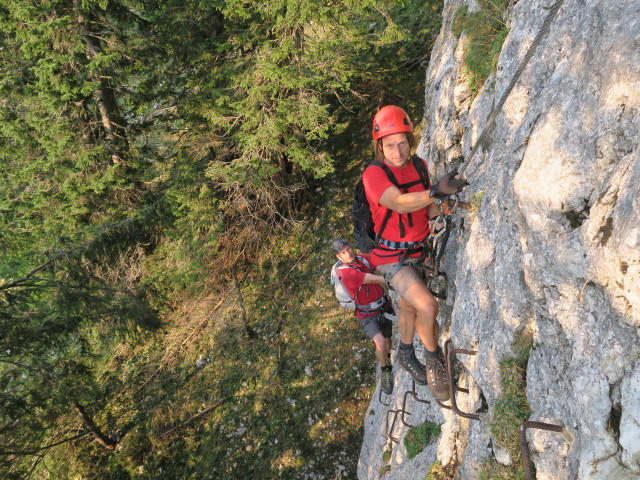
point(339, 244)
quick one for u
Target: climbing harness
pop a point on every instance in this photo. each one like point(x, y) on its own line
point(363, 228)
point(544, 29)
point(435, 280)
point(432, 248)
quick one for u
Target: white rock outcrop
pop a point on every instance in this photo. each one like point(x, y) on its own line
point(554, 246)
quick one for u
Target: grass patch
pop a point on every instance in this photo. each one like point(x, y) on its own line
point(486, 30)
point(417, 438)
point(510, 410)
point(492, 470)
point(441, 472)
point(386, 459)
point(476, 200)
point(386, 456)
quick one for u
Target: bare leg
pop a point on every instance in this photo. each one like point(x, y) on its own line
point(425, 308)
point(428, 330)
point(381, 348)
point(406, 321)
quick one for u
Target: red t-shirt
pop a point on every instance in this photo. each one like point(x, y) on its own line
point(352, 279)
point(376, 183)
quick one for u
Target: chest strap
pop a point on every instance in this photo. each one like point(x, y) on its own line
point(371, 307)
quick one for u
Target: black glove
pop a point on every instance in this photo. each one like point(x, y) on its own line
point(448, 185)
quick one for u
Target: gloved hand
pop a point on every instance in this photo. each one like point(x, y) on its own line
point(448, 185)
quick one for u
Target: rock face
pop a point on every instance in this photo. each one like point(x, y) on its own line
point(554, 247)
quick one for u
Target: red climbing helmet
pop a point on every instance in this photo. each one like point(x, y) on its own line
point(390, 120)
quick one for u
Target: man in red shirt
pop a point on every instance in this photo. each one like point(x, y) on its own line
point(365, 288)
point(404, 207)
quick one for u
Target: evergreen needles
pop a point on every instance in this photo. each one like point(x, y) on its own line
point(163, 169)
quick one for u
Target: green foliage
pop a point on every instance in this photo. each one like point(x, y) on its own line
point(486, 31)
point(151, 153)
point(439, 472)
point(417, 438)
point(386, 455)
point(386, 459)
point(476, 200)
point(510, 410)
point(512, 407)
point(459, 18)
point(492, 470)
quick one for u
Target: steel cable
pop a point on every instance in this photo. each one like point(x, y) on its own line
point(544, 29)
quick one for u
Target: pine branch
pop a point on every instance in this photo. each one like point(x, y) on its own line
point(197, 415)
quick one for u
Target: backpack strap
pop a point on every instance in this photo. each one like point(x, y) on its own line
point(365, 262)
point(421, 168)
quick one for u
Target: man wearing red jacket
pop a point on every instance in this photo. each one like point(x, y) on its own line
point(401, 207)
point(356, 274)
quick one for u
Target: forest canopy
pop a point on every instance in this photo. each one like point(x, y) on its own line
point(148, 150)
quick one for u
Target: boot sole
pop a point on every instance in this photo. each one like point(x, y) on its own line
point(419, 382)
point(443, 398)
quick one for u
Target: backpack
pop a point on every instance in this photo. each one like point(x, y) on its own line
point(366, 238)
point(342, 294)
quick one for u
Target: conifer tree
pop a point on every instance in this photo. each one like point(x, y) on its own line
point(138, 140)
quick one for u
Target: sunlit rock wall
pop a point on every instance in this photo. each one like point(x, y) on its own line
point(553, 248)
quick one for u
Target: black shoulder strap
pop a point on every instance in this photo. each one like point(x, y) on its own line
point(421, 168)
point(392, 179)
point(387, 170)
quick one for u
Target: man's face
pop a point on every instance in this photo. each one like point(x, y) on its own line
point(347, 255)
point(396, 149)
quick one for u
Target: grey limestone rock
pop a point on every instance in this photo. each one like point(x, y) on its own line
point(553, 248)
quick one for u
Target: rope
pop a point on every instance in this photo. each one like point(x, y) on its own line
point(544, 29)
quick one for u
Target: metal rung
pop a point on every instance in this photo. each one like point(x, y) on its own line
point(524, 445)
point(448, 355)
point(389, 430)
point(413, 393)
point(388, 402)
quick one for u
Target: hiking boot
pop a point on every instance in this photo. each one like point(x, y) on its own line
point(408, 361)
point(386, 380)
point(437, 377)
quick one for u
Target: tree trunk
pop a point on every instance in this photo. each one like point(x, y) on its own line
point(101, 438)
point(249, 333)
point(110, 118)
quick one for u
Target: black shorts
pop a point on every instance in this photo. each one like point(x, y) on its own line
point(374, 325)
